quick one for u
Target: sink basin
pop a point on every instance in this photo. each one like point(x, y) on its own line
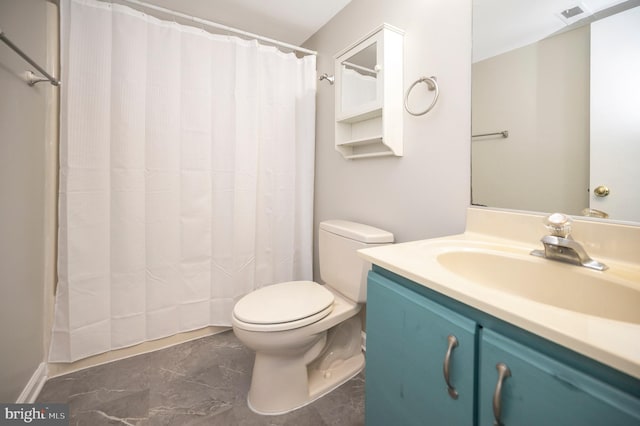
point(570, 287)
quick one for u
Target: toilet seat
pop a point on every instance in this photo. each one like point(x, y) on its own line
point(283, 306)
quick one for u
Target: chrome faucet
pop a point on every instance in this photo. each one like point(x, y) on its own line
point(560, 246)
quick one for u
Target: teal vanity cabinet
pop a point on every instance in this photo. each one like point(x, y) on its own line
point(499, 371)
point(408, 340)
point(543, 391)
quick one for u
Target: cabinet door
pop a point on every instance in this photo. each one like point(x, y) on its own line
point(407, 341)
point(542, 391)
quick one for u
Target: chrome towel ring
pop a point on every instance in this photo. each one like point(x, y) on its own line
point(432, 84)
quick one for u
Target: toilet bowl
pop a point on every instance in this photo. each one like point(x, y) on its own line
point(307, 336)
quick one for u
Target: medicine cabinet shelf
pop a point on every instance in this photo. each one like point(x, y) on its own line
point(369, 154)
point(355, 117)
point(369, 95)
point(363, 141)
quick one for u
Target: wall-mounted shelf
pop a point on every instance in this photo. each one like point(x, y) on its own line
point(369, 155)
point(364, 147)
point(357, 116)
point(369, 95)
point(362, 141)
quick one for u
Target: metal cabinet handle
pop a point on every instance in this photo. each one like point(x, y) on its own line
point(453, 342)
point(503, 373)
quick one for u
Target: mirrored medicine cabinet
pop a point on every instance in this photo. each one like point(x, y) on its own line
point(369, 99)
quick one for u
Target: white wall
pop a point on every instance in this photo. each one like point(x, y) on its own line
point(425, 193)
point(22, 197)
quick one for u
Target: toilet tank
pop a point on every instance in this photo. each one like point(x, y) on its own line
point(340, 266)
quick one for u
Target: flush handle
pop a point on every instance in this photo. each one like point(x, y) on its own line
point(453, 343)
point(503, 373)
point(601, 191)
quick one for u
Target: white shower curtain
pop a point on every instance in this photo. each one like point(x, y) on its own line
point(186, 176)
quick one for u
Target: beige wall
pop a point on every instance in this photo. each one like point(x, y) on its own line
point(22, 197)
point(540, 94)
point(424, 193)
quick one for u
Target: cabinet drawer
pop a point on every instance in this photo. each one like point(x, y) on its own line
point(543, 391)
point(407, 341)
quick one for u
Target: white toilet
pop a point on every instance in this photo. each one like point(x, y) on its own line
point(306, 336)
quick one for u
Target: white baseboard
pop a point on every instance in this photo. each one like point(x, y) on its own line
point(56, 369)
point(364, 340)
point(34, 386)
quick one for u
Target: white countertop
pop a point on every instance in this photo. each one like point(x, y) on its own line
point(614, 343)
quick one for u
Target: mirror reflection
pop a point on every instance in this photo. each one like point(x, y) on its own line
point(359, 79)
point(562, 82)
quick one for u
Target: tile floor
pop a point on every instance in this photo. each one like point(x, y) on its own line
point(203, 382)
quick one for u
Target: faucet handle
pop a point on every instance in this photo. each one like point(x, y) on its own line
point(558, 224)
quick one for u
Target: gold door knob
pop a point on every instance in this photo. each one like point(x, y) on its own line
point(601, 191)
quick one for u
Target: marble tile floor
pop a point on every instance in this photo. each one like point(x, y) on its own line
point(202, 382)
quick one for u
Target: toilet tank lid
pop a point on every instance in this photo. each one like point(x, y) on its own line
point(357, 231)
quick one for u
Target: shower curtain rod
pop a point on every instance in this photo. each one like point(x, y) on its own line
point(219, 26)
point(31, 78)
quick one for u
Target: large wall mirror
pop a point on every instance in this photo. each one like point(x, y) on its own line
point(556, 106)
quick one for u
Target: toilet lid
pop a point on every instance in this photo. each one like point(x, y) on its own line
point(283, 303)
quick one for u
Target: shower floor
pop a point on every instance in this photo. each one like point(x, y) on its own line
point(203, 382)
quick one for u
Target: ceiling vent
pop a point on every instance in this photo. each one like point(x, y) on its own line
point(570, 13)
point(574, 13)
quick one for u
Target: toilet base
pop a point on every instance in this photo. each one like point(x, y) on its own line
point(320, 383)
point(283, 382)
